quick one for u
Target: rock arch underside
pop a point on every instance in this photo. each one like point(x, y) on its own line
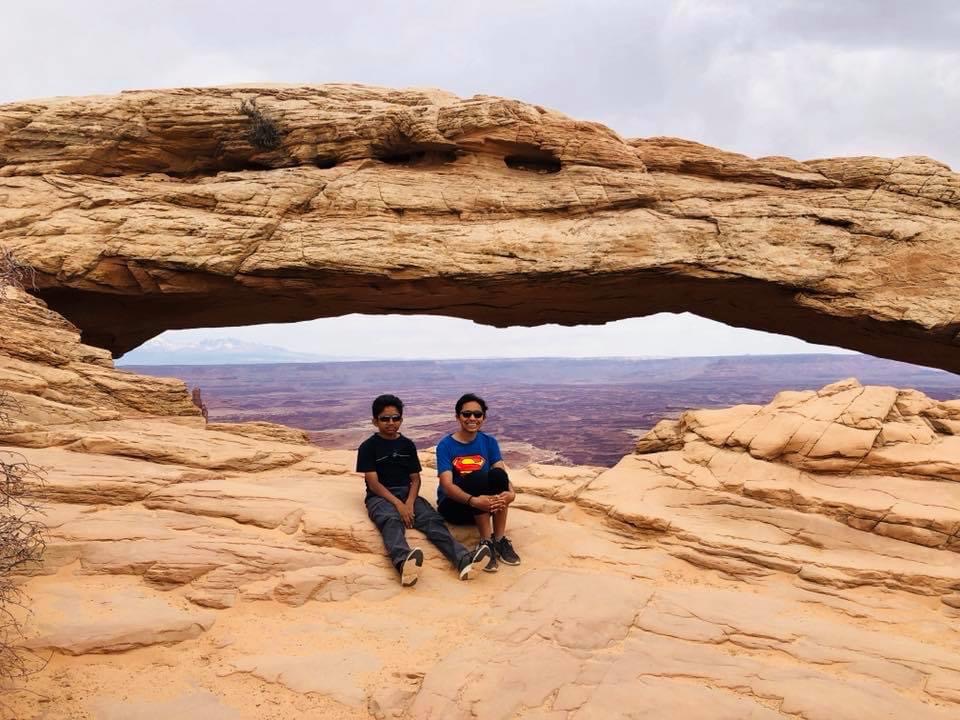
point(799, 559)
point(155, 210)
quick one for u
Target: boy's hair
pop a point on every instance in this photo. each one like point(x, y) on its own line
point(383, 401)
point(470, 397)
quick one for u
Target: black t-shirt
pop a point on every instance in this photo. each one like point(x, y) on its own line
point(393, 460)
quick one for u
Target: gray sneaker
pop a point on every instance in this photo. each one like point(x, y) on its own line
point(410, 568)
point(504, 549)
point(470, 559)
point(492, 564)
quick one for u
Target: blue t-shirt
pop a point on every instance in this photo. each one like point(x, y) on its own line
point(478, 455)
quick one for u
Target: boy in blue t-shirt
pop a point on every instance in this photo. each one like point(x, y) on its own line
point(474, 487)
point(391, 469)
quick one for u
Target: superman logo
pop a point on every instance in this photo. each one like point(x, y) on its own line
point(466, 464)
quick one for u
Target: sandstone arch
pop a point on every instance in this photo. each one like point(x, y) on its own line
point(162, 209)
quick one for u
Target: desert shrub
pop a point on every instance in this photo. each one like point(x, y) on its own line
point(13, 273)
point(263, 133)
point(21, 528)
point(21, 545)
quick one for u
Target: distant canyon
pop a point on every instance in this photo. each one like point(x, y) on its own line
point(568, 411)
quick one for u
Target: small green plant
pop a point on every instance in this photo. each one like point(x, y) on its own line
point(263, 133)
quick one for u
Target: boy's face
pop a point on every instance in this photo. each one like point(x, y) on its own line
point(471, 417)
point(388, 422)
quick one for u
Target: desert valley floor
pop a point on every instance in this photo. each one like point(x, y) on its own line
point(566, 411)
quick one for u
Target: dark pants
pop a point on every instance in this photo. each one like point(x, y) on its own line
point(425, 519)
point(493, 482)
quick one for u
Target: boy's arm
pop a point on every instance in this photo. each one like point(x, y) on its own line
point(414, 490)
point(510, 495)
point(415, 469)
point(493, 447)
point(452, 491)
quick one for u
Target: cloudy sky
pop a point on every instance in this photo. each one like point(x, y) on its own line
point(804, 78)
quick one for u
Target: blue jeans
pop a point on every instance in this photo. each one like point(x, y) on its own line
point(425, 519)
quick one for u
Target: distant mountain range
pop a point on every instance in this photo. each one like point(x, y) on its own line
point(216, 351)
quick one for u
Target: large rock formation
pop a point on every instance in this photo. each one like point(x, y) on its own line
point(156, 210)
point(799, 559)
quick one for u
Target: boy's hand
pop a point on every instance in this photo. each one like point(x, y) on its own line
point(406, 514)
point(496, 503)
point(484, 502)
point(506, 498)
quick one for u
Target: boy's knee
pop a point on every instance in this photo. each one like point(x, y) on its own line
point(382, 513)
point(499, 480)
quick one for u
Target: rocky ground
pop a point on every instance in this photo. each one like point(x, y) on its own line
point(793, 560)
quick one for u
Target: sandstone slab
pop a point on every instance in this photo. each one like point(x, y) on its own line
point(80, 619)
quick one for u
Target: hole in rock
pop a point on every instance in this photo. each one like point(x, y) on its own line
point(578, 395)
point(325, 162)
point(233, 164)
point(539, 162)
point(418, 157)
point(837, 222)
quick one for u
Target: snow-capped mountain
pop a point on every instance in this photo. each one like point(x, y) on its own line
point(215, 351)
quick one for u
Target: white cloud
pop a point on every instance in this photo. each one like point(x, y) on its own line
point(407, 337)
point(804, 78)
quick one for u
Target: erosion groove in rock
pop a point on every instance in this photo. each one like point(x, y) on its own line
point(416, 201)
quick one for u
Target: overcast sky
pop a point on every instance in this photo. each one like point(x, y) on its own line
point(804, 78)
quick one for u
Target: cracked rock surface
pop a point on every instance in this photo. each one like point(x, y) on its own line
point(792, 560)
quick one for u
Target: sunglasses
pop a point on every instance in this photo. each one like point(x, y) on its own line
point(390, 418)
point(471, 414)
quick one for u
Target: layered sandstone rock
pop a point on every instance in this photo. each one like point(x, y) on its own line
point(797, 559)
point(54, 382)
point(161, 209)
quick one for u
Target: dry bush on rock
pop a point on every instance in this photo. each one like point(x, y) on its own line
point(263, 133)
point(21, 545)
point(12, 272)
point(21, 531)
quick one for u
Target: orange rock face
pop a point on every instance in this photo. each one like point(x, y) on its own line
point(153, 210)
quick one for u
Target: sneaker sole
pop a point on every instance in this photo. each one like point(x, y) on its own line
point(411, 570)
point(481, 554)
point(507, 562)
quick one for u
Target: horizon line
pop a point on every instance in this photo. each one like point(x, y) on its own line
point(335, 361)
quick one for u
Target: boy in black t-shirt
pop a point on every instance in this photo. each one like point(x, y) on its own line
point(391, 469)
